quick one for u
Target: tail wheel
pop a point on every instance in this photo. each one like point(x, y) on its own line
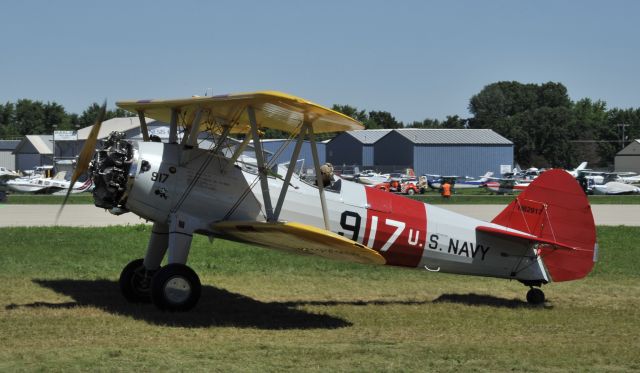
point(535, 296)
point(135, 282)
point(175, 287)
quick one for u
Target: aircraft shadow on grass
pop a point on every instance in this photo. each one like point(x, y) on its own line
point(217, 307)
point(472, 299)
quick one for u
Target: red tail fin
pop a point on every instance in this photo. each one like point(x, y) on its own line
point(555, 208)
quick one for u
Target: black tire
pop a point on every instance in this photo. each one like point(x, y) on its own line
point(135, 282)
point(175, 287)
point(411, 192)
point(535, 296)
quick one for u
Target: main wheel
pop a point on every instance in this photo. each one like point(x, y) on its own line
point(411, 192)
point(535, 296)
point(175, 287)
point(135, 282)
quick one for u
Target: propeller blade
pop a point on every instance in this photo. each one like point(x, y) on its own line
point(85, 155)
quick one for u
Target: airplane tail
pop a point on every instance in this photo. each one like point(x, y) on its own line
point(555, 209)
point(486, 176)
point(582, 166)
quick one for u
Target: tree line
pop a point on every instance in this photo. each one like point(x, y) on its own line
point(547, 128)
point(28, 117)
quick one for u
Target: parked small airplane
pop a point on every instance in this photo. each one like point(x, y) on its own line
point(6, 173)
point(370, 177)
point(629, 177)
point(615, 188)
point(546, 234)
point(48, 185)
point(460, 182)
point(507, 186)
point(576, 171)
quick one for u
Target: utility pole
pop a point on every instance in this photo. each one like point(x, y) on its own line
point(623, 126)
point(55, 126)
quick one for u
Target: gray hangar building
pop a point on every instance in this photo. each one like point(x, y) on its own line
point(628, 159)
point(354, 148)
point(462, 152)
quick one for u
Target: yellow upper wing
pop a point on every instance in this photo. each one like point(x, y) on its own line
point(298, 238)
point(273, 109)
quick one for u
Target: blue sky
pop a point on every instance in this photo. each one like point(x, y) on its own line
point(415, 59)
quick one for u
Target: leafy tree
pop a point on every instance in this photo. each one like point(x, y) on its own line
point(7, 119)
point(89, 115)
point(427, 123)
point(454, 122)
point(29, 117)
point(353, 112)
point(119, 113)
point(612, 131)
point(537, 118)
point(551, 131)
point(590, 126)
point(55, 115)
point(382, 119)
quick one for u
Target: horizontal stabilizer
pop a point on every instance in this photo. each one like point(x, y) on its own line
point(299, 239)
point(504, 233)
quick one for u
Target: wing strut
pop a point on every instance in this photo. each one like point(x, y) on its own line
point(143, 126)
point(239, 149)
point(262, 169)
point(195, 129)
point(290, 169)
point(316, 163)
point(173, 127)
point(222, 138)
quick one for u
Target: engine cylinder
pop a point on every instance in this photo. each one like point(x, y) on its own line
point(109, 171)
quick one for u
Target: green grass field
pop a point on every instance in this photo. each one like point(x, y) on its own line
point(60, 310)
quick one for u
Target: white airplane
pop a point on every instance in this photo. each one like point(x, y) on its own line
point(371, 178)
point(460, 182)
point(48, 185)
point(615, 188)
point(6, 173)
point(507, 186)
point(576, 171)
point(629, 177)
point(547, 234)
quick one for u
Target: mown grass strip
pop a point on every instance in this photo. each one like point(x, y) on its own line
point(60, 309)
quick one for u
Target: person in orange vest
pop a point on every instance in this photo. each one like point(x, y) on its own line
point(446, 189)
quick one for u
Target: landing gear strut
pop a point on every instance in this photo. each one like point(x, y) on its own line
point(535, 296)
point(174, 287)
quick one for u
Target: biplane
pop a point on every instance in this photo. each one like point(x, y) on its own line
point(547, 234)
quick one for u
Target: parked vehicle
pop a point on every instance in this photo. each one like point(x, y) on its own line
point(396, 186)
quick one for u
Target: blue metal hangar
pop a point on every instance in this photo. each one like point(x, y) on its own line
point(354, 148)
point(462, 152)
